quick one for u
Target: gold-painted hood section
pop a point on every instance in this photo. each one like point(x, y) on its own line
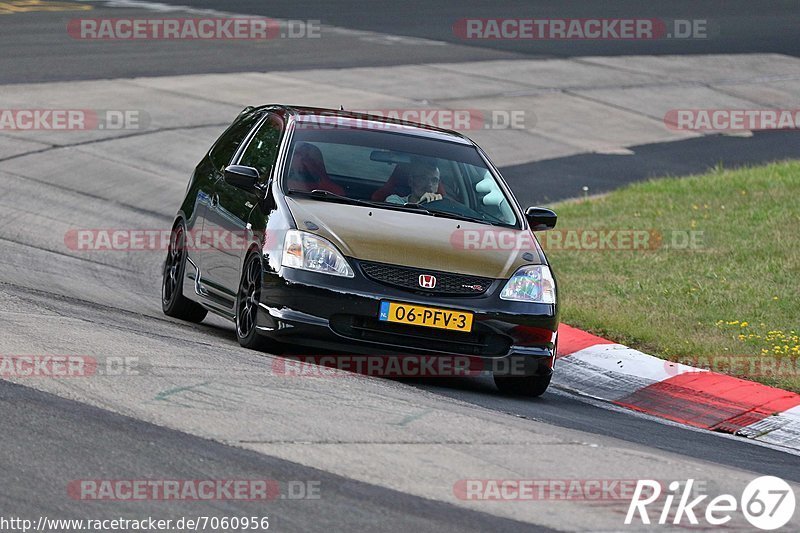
point(416, 240)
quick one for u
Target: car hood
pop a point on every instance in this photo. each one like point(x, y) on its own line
point(416, 240)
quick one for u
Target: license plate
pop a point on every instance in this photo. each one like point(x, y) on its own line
point(431, 317)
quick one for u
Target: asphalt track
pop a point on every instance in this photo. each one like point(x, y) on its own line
point(734, 27)
point(36, 48)
point(385, 452)
point(61, 438)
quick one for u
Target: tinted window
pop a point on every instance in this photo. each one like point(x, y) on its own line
point(262, 152)
point(228, 143)
point(350, 160)
point(397, 169)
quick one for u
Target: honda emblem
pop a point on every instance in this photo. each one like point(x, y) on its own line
point(427, 281)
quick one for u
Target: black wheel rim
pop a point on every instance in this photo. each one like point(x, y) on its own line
point(172, 265)
point(249, 298)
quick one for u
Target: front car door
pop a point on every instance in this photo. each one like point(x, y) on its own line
point(209, 230)
point(228, 219)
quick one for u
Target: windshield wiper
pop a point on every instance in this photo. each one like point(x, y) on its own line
point(457, 216)
point(322, 193)
point(416, 208)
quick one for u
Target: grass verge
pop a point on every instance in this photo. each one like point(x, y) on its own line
point(708, 275)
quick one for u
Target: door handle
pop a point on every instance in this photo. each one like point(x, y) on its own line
point(214, 201)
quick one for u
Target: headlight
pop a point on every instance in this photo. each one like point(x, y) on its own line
point(308, 252)
point(532, 283)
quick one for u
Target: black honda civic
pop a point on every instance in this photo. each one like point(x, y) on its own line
point(367, 235)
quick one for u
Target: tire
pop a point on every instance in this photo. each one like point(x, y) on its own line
point(531, 386)
point(173, 302)
point(247, 302)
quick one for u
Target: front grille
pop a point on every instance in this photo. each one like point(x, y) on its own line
point(481, 341)
point(408, 278)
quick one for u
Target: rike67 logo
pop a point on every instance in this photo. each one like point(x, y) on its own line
point(767, 503)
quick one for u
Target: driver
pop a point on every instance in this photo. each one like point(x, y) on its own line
point(423, 180)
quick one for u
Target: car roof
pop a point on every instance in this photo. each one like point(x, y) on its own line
point(366, 121)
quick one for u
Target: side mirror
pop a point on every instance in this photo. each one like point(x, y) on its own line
point(242, 177)
point(540, 219)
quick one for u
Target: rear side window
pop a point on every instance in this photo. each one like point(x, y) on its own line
point(223, 150)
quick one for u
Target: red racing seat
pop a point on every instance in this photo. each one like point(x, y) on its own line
point(308, 162)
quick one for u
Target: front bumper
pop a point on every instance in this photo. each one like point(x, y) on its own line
point(336, 313)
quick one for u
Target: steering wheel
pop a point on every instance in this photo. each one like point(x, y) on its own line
point(447, 205)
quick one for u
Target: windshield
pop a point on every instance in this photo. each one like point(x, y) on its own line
point(397, 171)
